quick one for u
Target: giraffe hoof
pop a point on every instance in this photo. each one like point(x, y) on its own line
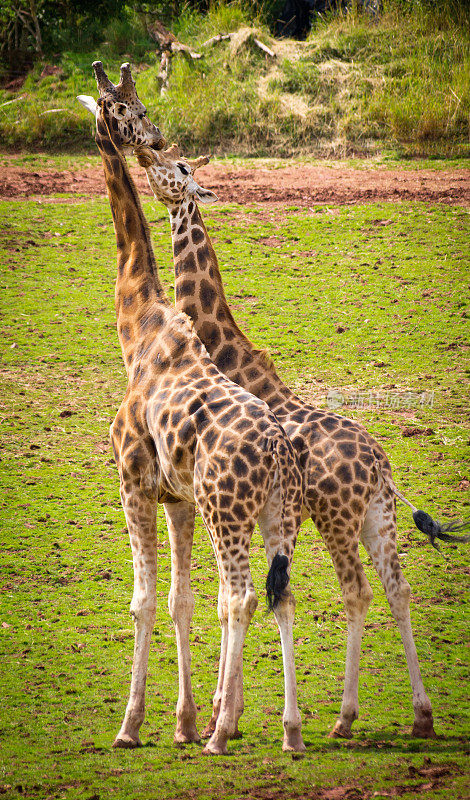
point(214, 749)
point(208, 730)
point(423, 731)
point(123, 740)
point(340, 732)
point(237, 734)
point(288, 748)
point(188, 737)
point(293, 743)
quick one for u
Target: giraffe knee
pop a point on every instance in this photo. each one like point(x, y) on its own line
point(242, 608)
point(143, 608)
point(180, 604)
point(357, 601)
point(285, 609)
point(367, 595)
point(399, 596)
point(222, 608)
point(405, 591)
point(251, 603)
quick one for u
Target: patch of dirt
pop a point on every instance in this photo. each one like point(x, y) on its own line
point(417, 432)
point(303, 186)
point(427, 778)
point(272, 241)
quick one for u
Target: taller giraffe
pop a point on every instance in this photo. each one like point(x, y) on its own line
point(348, 488)
point(185, 435)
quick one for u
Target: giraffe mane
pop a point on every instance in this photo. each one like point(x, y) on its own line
point(188, 325)
point(266, 359)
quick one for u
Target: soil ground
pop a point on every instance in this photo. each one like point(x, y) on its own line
point(303, 185)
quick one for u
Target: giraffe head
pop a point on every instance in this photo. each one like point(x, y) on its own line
point(127, 114)
point(171, 177)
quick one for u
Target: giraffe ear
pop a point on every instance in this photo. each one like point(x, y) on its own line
point(205, 196)
point(121, 110)
point(88, 102)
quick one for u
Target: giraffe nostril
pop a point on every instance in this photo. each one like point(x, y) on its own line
point(159, 141)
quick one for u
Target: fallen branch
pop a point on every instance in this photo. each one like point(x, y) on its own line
point(15, 100)
point(219, 37)
point(222, 37)
point(164, 73)
point(264, 47)
point(168, 45)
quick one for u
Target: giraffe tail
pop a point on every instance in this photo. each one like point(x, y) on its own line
point(423, 521)
point(278, 575)
point(435, 530)
point(277, 580)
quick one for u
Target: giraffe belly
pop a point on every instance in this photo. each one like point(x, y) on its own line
point(176, 483)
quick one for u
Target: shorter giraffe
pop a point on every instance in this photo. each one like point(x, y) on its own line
point(348, 487)
point(186, 435)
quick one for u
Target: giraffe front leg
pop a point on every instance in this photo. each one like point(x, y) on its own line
point(141, 517)
point(180, 521)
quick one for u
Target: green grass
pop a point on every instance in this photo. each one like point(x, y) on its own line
point(45, 160)
point(392, 277)
point(355, 87)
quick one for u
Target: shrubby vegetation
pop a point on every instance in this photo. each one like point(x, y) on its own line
point(357, 84)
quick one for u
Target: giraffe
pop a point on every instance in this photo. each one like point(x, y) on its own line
point(186, 436)
point(348, 488)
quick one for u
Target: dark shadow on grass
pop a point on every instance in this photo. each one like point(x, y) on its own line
point(403, 743)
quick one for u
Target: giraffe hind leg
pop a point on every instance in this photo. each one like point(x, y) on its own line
point(284, 608)
point(222, 610)
point(241, 603)
point(357, 596)
point(379, 538)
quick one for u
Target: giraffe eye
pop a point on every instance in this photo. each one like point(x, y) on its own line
point(183, 169)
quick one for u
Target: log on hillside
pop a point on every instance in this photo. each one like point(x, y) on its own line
point(169, 45)
point(247, 35)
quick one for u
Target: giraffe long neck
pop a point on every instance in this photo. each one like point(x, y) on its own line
point(138, 288)
point(199, 292)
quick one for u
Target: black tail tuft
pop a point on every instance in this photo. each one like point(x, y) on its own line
point(277, 580)
point(435, 530)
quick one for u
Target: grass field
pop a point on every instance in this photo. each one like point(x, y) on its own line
point(44, 161)
point(361, 299)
